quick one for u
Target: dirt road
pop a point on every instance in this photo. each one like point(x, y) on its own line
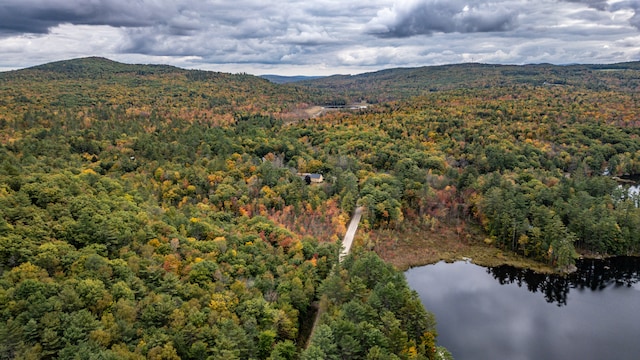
point(351, 233)
point(346, 247)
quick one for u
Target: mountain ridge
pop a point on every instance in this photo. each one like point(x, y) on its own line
point(372, 87)
point(399, 83)
point(102, 63)
point(281, 79)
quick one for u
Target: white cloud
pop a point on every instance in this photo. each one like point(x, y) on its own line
point(260, 36)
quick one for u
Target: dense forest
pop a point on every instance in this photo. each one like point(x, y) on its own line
point(153, 212)
point(537, 167)
point(401, 83)
point(372, 314)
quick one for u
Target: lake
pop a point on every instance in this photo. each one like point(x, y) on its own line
point(508, 313)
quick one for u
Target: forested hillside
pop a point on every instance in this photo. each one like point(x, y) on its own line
point(155, 212)
point(92, 85)
point(527, 163)
point(396, 84)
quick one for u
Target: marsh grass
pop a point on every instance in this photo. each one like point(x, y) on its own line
point(413, 245)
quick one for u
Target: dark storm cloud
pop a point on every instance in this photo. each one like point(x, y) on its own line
point(426, 17)
point(39, 16)
point(630, 4)
point(596, 4)
point(265, 31)
point(635, 20)
point(603, 5)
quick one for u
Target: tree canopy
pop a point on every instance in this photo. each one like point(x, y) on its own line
point(155, 212)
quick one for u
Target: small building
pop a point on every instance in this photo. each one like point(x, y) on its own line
point(310, 178)
point(316, 178)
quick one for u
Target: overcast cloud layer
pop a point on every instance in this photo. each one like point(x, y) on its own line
point(320, 37)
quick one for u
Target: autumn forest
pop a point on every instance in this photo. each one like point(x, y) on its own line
point(148, 211)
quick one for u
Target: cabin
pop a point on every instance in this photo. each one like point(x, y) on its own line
point(316, 178)
point(310, 178)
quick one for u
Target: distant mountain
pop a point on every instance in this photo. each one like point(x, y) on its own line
point(400, 83)
point(99, 64)
point(220, 90)
point(90, 67)
point(95, 81)
point(278, 79)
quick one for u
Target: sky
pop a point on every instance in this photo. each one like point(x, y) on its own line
point(319, 37)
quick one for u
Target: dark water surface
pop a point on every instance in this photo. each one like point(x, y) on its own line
point(512, 314)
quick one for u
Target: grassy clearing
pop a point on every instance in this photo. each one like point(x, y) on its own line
point(414, 245)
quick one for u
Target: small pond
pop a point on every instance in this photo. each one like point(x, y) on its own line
point(509, 313)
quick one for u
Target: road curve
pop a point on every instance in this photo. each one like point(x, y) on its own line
point(351, 233)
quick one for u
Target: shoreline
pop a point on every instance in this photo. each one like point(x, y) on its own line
point(413, 246)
